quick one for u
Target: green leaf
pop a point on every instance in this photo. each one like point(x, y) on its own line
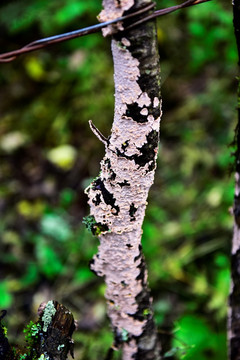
point(49, 262)
point(31, 275)
point(83, 275)
point(196, 336)
point(5, 297)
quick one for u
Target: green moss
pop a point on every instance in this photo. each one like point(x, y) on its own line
point(31, 336)
point(95, 228)
point(90, 222)
point(23, 356)
point(121, 45)
point(31, 331)
point(146, 312)
point(4, 330)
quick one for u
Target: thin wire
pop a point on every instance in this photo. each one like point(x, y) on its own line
point(96, 27)
point(39, 44)
point(166, 11)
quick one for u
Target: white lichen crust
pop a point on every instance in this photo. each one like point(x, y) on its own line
point(113, 10)
point(48, 314)
point(118, 197)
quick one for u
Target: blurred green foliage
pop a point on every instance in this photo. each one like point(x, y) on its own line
point(48, 156)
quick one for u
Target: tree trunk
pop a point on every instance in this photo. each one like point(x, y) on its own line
point(234, 301)
point(118, 196)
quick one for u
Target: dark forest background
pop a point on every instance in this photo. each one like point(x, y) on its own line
point(48, 156)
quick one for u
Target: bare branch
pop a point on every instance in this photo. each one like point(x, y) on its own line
point(98, 134)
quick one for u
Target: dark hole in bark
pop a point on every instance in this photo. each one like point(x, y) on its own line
point(132, 211)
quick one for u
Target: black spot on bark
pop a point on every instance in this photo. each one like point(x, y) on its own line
point(117, 338)
point(143, 301)
point(125, 145)
point(107, 196)
point(137, 257)
point(235, 306)
point(151, 166)
point(142, 47)
point(124, 183)
point(236, 209)
point(112, 174)
point(148, 151)
point(235, 295)
point(99, 228)
point(92, 262)
point(147, 354)
point(132, 212)
point(154, 111)
point(141, 266)
point(97, 199)
point(108, 163)
point(133, 111)
point(129, 246)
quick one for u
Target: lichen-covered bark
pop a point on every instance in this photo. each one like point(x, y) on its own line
point(234, 300)
point(48, 339)
point(55, 335)
point(118, 197)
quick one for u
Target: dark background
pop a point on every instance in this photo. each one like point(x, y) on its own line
point(49, 155)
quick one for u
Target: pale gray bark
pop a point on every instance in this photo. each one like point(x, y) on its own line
point(118, 197)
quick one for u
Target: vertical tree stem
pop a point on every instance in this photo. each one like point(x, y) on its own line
point(118, 197)
point(234, 300)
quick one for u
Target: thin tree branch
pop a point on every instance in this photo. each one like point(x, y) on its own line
point(42, 43)
point(98, 134)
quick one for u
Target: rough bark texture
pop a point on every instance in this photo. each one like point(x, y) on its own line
point(234, 301)
point(48, 339)
point(118, 197)
point(57, 326)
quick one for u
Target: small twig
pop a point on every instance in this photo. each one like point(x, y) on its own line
point(98, 134)
point(39, 44)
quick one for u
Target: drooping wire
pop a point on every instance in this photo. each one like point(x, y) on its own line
point(42, 43)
